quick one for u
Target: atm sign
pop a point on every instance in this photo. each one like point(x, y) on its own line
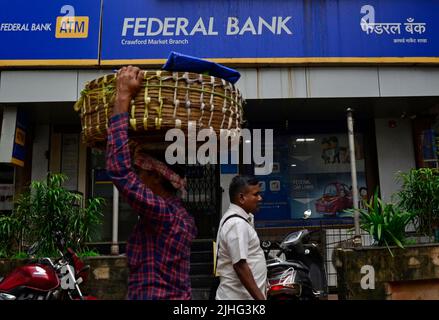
point(71, 27)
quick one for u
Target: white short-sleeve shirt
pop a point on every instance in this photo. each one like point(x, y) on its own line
point(238, 240)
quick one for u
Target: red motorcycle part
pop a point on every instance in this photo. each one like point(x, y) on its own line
point(87, 298)
point(293, 289)
point(36, 276)
point(80, 267)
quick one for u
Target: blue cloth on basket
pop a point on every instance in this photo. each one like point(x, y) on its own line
point(181, 62)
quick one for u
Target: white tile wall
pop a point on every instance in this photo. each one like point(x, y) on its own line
point(255, 83)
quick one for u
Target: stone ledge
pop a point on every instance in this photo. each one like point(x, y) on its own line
point(372, 273)
point(108, 277)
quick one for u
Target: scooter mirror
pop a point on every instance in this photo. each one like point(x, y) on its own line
point(307, 214)
point(266, 244)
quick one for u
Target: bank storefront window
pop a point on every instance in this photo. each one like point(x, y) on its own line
point(311, 173)
point(101, 186)
point(7, 188)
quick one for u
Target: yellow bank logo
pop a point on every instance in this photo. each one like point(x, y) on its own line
point(71, 27)
point(20, 137)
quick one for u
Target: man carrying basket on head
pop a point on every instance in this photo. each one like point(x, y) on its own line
point(158, 249)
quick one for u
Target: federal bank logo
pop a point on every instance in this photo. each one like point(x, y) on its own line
point(71, 26)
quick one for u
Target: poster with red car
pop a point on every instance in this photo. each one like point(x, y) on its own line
point(311, 173)
point(320, 175)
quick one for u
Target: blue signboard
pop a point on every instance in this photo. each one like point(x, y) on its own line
point(249, 31)
point(19, 147)
point(229, 31)
point(275, 187)
point(49, 32)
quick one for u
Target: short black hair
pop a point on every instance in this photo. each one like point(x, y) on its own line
point(240, 183)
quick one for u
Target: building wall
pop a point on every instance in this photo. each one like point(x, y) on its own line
point(7, 134)
point(40, 152)
point(395, 152)
point(268, 83)
point(371, 273)
point(255, 83)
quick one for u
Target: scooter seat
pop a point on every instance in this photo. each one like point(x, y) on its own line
point(297, 265)
point(294, 238)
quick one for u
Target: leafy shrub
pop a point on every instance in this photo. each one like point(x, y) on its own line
point(45, 208)
point(9, 231)
point(386, 223)
point(420, 194)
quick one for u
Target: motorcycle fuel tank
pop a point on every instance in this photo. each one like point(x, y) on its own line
point(36, 276)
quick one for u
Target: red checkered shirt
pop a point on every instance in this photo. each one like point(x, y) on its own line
point(159, 247)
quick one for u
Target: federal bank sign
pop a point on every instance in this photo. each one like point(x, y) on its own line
point(279, 31)
point(111, 32)
point(49, 32)
point(67, 26)
point(180, 26)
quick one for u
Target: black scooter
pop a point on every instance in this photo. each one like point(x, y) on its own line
point(297, 272)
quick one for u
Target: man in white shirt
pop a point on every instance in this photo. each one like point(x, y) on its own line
point(241, 263)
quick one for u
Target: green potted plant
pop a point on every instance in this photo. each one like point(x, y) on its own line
point(419, 194)
point(45, 208)
point(370, 272)
point(385, 222)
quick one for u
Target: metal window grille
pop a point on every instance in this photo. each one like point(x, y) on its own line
point(338, 237)
point(203, 198)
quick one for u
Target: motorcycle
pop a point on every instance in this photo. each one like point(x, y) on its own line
point(297, 271)
point(45, 279)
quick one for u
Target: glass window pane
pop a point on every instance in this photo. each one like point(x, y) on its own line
point(311, 172)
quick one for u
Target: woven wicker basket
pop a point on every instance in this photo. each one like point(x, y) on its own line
point(166, 100)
